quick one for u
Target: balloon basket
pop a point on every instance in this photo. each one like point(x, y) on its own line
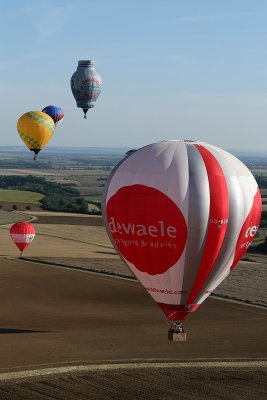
point(176, 336)
point(176, 332)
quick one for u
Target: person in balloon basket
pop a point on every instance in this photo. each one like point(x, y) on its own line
point(176, 327)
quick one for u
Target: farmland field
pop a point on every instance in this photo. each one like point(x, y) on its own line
point(95, 198)
point(87, 182)
point(20, 196)
point(81, 242)
point(12, 217)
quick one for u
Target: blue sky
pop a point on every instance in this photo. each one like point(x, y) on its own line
point(171, 69)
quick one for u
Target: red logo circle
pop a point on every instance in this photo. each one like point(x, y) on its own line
point(148, 228)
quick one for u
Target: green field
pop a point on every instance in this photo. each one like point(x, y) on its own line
point(95, 198)
point(20, 196)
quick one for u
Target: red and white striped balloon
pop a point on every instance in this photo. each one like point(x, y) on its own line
point(181, 214)
point(22, 234)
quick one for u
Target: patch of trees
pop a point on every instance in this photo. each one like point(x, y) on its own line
point(96, 163)
point(64, 202)
point(19, 163)
point(57, 197)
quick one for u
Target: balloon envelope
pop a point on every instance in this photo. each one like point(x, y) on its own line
point(56, 113)
point(35, 129)
point(86, 85)
point(181, 214)
point(22, 234)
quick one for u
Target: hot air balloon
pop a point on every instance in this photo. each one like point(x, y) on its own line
point(56, 113)
point(86, 85)
point(181, 214)
point(35, 129)
point(22, 234)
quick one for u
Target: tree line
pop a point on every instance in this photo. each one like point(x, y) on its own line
point(13, 163)
point(57, 197)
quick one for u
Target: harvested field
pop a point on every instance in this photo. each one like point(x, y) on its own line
point(246, 283)
point(191, 382)
point(87, 182)
point(84, 244)
point(7, 217)
point(86, 325)
point(72, 220)
point(54, 317)
point(51, 316)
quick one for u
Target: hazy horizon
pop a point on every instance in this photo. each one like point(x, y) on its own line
point(113, 149)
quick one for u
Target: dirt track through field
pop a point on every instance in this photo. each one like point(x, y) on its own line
point(54, 317)
point(207, 364)
point(230, 382)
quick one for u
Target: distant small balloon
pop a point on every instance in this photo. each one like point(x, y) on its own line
point(22, 234)
point(35, 129)
point(56, 113)
point(86, 85)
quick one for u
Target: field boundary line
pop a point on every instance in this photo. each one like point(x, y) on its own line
point(7, 376)
point(76, 240)
point(74, 268)
point(5, 225)
point(106, 246)
point(115, 275)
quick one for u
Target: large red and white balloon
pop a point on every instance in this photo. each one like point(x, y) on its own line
point(181, 214)
point(22, 234)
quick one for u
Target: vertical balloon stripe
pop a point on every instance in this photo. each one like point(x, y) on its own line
point(241, 188)
point(248, 230)
point(241, 245)
point(224, 259)
point(218, 219)
point(198, 217)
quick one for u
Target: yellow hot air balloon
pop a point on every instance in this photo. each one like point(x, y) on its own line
point(35, 129)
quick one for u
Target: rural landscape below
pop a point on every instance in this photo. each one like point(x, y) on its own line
point(74, 319)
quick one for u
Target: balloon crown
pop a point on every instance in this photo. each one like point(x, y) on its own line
point(181, 140)
point(86, 63)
